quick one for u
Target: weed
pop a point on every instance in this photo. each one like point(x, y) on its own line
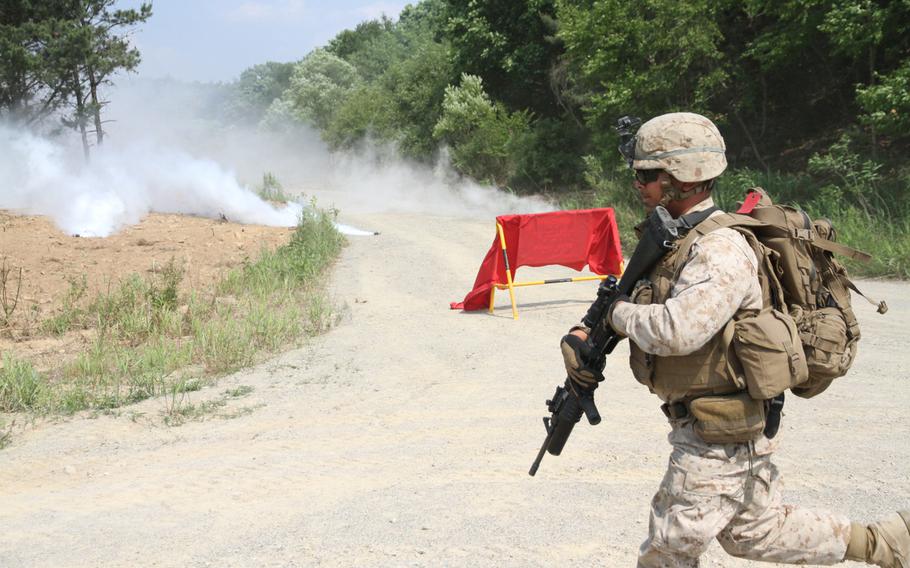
point(148, 336)
point(71, 315)
point(181, 410)
point(271, 189)
point(6, 433)
point(8, 300)
point(239, 391)
point(21, 387)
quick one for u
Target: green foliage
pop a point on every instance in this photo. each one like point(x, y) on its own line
point(482, 134)
point(150, 340)
point(371, 47)
point(139, 308)
point(254, 92)
point(271, 189)
point(368, 112)
point(850, 178)
point(886, 105)
point(642, 58)
point(71, 315)
point(415, 87)
point(21, 388)
point(312, 247)
point(405, 71)
point(548, 155)
point(525, 95)
point(58, 54)
point(320, 84)
point(511, 46)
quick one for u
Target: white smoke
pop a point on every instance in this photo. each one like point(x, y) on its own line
point(120, 186)
point(165, 153)
point(375, 179)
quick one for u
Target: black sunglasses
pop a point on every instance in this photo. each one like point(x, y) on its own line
point(645, 177)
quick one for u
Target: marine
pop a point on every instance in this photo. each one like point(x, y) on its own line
point(721, 482)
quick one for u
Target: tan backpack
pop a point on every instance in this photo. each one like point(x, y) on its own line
point(808, 283)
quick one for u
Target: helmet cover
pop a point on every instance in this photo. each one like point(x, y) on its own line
point(686, 145)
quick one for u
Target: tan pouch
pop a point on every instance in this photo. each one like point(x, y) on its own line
point(770, 352)
point(829, 350)
point(642, 363)
point(728, 419)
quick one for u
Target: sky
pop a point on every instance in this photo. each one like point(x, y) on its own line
point(214, 40)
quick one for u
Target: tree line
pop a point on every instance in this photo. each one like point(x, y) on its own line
point(525, 94)
point(55, 55)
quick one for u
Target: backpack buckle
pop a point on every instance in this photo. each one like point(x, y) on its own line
point(801, 234)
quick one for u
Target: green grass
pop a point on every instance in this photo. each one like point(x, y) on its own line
point(271, 189)
point(21, 386)
point(179, 409)
point(149, 341)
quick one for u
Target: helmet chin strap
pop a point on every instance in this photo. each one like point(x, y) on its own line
point(673, 193)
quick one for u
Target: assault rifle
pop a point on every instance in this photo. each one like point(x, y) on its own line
point(659, 233)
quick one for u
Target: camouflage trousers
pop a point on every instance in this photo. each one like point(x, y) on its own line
point(732, 492)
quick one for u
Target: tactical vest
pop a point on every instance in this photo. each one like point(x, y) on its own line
point(710, 370)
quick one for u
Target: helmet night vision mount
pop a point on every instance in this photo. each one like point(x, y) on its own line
point(627, 126)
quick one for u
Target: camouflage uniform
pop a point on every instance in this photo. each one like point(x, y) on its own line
point(726, 491)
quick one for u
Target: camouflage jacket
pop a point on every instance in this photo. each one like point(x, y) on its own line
point(719, 277)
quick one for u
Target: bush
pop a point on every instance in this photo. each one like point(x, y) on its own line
point(271, 189)
point(21, 388)
point(320, 84)
point(887, 104)
point(483, 135)
point(850, 177)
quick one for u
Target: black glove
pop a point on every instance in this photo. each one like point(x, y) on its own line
point(575, 353)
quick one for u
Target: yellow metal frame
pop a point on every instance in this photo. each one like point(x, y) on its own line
point(510, 286)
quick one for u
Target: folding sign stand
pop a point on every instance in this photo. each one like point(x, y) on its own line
point(510, 286)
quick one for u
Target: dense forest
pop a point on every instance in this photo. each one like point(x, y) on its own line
point(812, 96)
point(525, 94)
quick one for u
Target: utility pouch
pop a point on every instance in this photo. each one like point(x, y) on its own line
point(728, 419)
point(829, 348)
point(642, 363)
point(770, 352)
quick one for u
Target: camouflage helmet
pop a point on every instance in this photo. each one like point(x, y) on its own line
point(686, 145)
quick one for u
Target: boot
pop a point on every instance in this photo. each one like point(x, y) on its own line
point(885, 543)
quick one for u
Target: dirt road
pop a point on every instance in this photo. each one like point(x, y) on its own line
point(403, 438)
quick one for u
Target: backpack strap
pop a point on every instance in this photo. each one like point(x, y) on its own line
point(772, 289)
point(711, 224)
point(840, 248)
point(692, 219)
point(881, 306)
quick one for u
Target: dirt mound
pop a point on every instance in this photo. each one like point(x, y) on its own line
point(51, 260)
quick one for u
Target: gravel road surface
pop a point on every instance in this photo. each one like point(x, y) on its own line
point(403, 438)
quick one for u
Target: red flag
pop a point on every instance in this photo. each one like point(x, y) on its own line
point(567, 238)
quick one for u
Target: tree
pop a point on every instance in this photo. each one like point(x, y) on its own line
point(511, 46)
point(34, 49)
point(404, 69)
point(481, 133)
point(320, 83)
point(258, 87)
point(57, 53)
point(104, 53)
point(643, 58)
point(887, 103)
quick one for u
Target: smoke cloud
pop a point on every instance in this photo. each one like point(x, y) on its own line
point(166, 153)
